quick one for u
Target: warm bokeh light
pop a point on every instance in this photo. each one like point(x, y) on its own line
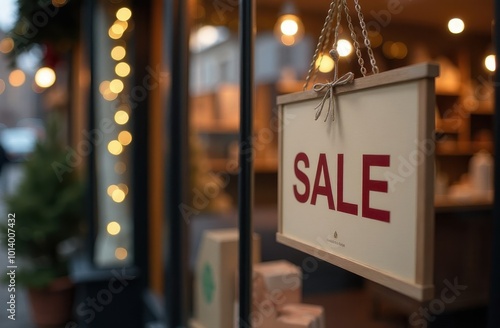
point(122, 69)
point(289, 29)
point(45, 77)
point(395, 50)
point(287, 40)
point(118, 195)
point(118, 53)
point(325, 64)
point(121, 253)
point(104, 86)
point(120, 168)
point(456, 25)
point(289, 25)
point(2, 86)
point(207, 36)
point(116, 86)
point(111, 188)
point(344, 48)
point(112, 34)
point(123, 14)
point(399, 50)
point(107, 93)
point(125, 138)
point(123, 187)
point(124, 107)
point(121, 117)
point(17, 78)
point(113, 228)
point(6, 45)
point(376, 38)
point(117, 29)
point(490, 63)
point(124, 25)
point(115, 147)
point(59, 3)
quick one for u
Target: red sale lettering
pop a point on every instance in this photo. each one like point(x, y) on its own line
point(323, 185)
point(374, 185)
point(301, 157)
point(341, 205)
point(325, 190)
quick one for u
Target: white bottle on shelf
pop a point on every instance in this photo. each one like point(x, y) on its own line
point(481, 172)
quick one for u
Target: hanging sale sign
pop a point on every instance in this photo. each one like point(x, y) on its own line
point(357, 191)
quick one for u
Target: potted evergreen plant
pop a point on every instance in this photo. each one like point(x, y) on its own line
point(48, 211)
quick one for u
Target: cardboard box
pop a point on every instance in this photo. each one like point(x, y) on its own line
point(290, 314)
point(281, 281)
point(214, 285)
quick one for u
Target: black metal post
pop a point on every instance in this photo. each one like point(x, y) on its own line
point(140, 123)
point(494, 306)
point(177, 51)
point(245, 182)
point(88, 35)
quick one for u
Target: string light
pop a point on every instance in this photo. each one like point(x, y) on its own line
point(123, 14)
point(122, 69)
point(116, 86)
point(112, 34)
point(123, 25)
point(125, 138)
point(118, 195)
point(111, 188)
point(121, 117)
point(124, 188)
point(118, 53)
point(110, 90)
point(113, 228)
point(120, 168)
point(115, 147)
point(121, 253)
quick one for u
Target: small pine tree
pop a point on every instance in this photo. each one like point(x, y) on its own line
point(48, 210)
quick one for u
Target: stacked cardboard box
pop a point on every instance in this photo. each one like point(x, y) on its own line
point(277, 296)
point(276, 291)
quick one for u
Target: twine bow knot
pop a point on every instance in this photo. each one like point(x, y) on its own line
point(319, 87)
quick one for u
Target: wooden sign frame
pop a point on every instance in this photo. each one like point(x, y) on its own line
point(418, 284)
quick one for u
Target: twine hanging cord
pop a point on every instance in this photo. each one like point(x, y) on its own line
point(335, 9)
point(329, 87)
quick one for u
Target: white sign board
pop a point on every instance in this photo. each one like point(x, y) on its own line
point(358, 191)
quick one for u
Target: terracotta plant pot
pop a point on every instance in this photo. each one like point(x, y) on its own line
point(51, 306)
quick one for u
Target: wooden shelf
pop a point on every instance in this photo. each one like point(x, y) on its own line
point(263, 165)
point(449, 125)
point(449, 148)
point(217, 130)
point(483, 109)
point(447, 93)
point(444, 203)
